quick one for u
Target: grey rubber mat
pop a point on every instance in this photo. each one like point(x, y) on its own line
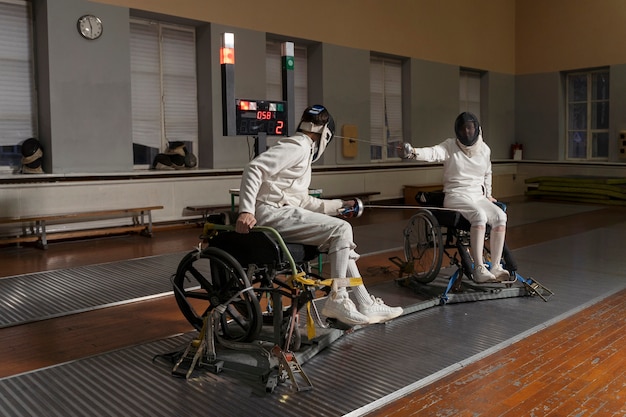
point(39, 296)
point(357, 372)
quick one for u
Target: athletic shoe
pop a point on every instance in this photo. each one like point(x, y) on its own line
point(379, 312)
point(500, 273)
point(339, 306)
point(482, 275)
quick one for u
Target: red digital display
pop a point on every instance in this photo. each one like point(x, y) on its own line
point(265, 115)
point(260, 116)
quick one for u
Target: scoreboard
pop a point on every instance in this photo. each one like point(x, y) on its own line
point(261, 116)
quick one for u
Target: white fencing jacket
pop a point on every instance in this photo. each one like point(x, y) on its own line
point(281, 176)
point(466, 169)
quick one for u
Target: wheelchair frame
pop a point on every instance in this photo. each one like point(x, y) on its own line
point(434, 232)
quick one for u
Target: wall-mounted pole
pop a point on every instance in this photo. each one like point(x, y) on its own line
point(227, 62)
point(288, 65)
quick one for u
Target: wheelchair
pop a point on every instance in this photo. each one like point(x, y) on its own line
point(435, 233)
point(236, 274)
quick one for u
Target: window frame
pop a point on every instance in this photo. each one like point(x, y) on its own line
point(589, 102)
point(192, 144)
point(470, 84)
point(29, 117)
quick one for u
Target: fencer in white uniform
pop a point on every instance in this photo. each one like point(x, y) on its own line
point(274, 192)
point(467, 187)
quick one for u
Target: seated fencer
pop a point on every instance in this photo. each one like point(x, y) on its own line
point(274, 193)
point(467, 187)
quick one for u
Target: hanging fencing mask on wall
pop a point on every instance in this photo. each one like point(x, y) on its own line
point(32, 157)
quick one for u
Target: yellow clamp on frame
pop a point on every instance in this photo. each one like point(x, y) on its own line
point(339, 282)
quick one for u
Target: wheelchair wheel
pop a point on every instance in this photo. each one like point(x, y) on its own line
point(510, 264)
point(467, 263)
point(210, 278)
point(423, 246)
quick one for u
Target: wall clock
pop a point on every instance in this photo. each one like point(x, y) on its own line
point(89, 26)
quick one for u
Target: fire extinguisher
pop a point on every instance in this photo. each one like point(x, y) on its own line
point(516, 151)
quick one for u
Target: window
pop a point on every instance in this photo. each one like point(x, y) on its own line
point(469, 92)
point(164, 88)
point(274, 76)
point(385, 108)
point(588, 115)
point(18, 118)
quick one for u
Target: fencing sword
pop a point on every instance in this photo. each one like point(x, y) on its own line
point(376, 206)
point(399, 147)
point(356, 210)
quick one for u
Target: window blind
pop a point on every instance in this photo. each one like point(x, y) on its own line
point(18, 99)
point(145, 84)
point(179, 85)
point(469, 92)
point(385, 107)
point(163, 84)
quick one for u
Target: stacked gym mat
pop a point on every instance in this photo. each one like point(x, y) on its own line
point(583, 189)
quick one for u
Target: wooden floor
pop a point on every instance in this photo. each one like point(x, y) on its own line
point(575, 367)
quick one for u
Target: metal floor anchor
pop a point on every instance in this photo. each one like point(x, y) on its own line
point(200, 348)
point(287, 363)
point(535, 288)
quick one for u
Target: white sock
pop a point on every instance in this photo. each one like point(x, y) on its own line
point(477, 244)
point(496, 244)
point(341, 266)
point(339, 263)
point(360, 292)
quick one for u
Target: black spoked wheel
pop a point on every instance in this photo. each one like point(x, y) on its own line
point(510, 264)
point(210, 278)
point(423, 246)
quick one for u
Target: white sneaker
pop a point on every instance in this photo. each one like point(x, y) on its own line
point(481, 275)
point(379, 312)
point(500, 273)
point(339, 306)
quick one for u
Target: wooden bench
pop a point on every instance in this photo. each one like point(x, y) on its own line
point(207, 210)
point(410, 191)
point(34, 227)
